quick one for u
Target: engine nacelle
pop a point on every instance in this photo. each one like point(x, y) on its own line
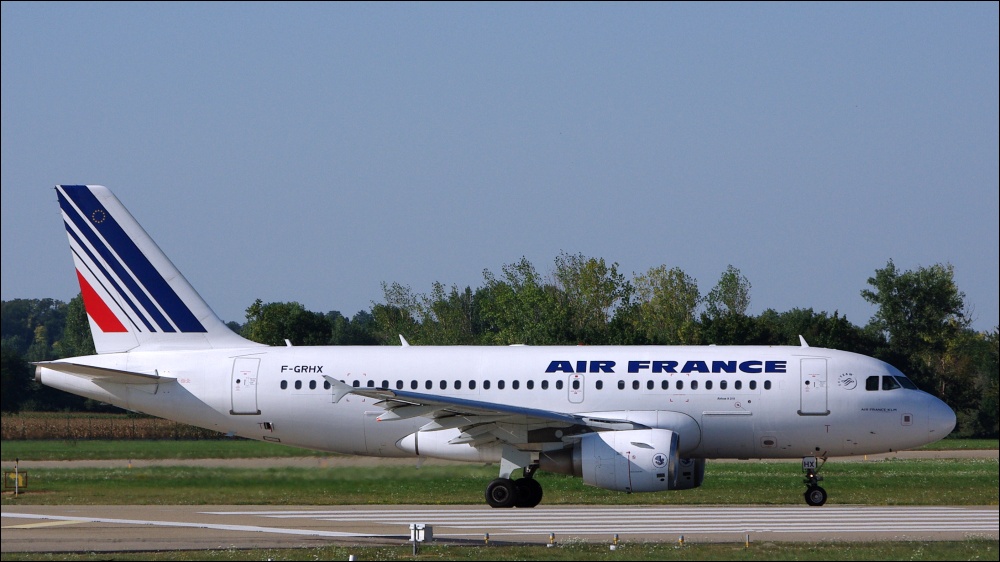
point(638, 460)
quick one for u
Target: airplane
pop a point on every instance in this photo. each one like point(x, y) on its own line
point(625, 418)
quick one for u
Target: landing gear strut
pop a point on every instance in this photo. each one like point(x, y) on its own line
point(815, 495)
point(522, 492)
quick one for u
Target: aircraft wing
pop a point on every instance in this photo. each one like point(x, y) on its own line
point(103, 374)
point(477, 420)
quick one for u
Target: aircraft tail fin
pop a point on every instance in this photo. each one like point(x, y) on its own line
point(133, 294)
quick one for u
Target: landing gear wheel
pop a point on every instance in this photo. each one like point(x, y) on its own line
point(815, 496)
point(529, 492)
point(502, 492)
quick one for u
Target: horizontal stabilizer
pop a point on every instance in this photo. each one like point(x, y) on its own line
point(101, 374)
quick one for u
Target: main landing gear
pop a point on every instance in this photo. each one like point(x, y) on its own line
point(815, 495)
point(522, 492)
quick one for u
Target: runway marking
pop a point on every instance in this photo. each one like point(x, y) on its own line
point(666, 521)
point(218, 527)
point(44, 524)
point(681, 520)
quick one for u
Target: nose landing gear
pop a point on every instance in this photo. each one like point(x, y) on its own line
point(815, 495)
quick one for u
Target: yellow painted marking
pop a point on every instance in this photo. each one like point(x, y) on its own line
point(44, 524)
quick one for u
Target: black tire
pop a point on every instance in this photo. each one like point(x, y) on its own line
point(501, 492)
point(815, 496)
point(529, 492)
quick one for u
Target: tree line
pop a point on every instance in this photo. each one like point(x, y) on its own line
point(921, 325)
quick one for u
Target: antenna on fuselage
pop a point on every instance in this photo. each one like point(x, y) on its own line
point(802, 340)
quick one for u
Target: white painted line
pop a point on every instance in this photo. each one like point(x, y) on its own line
point(244, 528)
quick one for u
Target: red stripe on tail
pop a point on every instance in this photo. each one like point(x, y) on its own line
point(98, 309)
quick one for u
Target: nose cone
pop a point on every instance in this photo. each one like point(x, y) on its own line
point(941, 419)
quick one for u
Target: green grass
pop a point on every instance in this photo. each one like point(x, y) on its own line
point(973, 549)
point(962, 445)
point(48, 450)
point(888, 482)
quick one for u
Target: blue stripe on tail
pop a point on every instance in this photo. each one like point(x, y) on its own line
point(100, 220)
point(115, 291)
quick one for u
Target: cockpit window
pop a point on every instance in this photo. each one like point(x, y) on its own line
point(907, 383)
point(871, 383)
point(889, 383)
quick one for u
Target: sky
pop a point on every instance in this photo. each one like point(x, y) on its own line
point(311, 152)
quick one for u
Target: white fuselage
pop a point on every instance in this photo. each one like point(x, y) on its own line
point(724, 402)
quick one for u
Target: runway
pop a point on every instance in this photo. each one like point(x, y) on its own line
point(131, 528)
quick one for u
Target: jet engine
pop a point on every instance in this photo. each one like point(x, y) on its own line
point(638, 460)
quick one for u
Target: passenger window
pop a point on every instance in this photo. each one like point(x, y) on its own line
point(500, 385)
point(889, 383)
point(635, 385)
point(458, 385)
point(576, 384)
point(326, 385)
point(515, 384)
point(753, 385)
point(371, 384)
point(530, 384)
point(738, 384)
point(767, 385)
point(708, 385)
point(486, 384)
point(545, 385)
point(284, 385)
point(355, 383)
point(298, 385)
point(399, 385)
point(600, 385)
point(429, 384)
point(649, 385)
point(665, 385)
point(472, 385)
point(680, 385)
point(621, 385)
point(443, 385)
point(312, 385)
point(722, 385)
point(559, 385)
point(694, 385)
point(414, 384)
point(385, 384)
point(871, 383)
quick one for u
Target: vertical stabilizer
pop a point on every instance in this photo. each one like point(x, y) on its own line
point(134, 295)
